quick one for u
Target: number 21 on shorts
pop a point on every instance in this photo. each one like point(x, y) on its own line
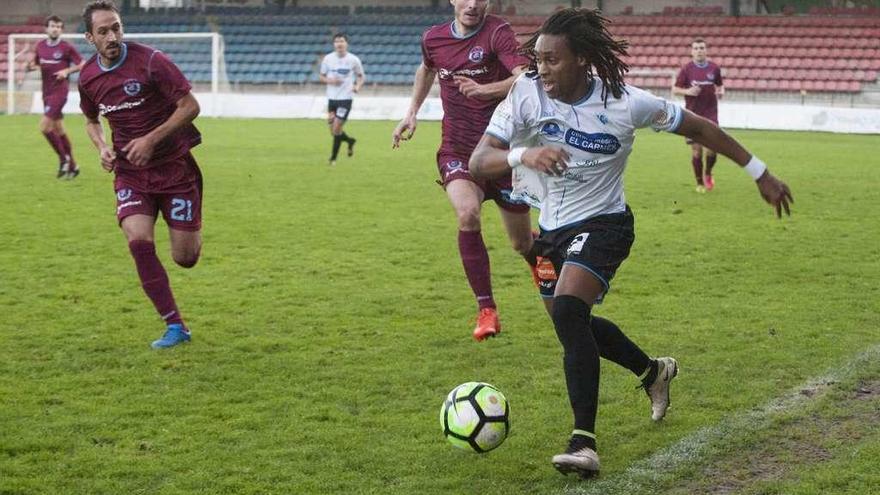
point(181, 210)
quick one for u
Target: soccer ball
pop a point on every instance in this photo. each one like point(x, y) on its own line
point(475, 417)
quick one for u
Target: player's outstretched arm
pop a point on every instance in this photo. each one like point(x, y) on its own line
point(491, 159)
point(705, 132)
point(424, 79)
point(139, 150)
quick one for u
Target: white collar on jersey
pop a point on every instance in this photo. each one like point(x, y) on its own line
point(465, 36)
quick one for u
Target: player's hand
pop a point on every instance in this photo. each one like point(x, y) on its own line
point(775, 192)
point(108, 157)
point(333, 81)
point(138, 151)
point(404, 131)
point(471, 88)
point(552, 160)
point(719, 92)
point(61, 75)
point(693, 91)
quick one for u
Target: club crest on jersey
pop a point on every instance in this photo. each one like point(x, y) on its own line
point(132, 87)
point(123, 194)
point(57, 55)
point(476, 54)
point(551, 131)
point(602, 118)
point(599, 142)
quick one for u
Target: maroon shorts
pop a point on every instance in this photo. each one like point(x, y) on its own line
point(174, 188)
point(53, 105)
point(453, 167)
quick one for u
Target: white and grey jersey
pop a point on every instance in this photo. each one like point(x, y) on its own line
point(599, 140)
point(345, 68)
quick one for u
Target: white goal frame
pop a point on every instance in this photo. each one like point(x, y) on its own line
point(216, 50)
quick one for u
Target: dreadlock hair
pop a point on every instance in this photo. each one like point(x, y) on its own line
point(587, 35)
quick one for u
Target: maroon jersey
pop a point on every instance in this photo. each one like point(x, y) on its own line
point(52, 57)
point(705, 76)
point(488, 55)
point(137, 94)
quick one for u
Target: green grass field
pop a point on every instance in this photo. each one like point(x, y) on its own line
point(331, 316)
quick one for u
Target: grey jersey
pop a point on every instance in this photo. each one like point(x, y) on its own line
point(598, 138)
point(345, 68)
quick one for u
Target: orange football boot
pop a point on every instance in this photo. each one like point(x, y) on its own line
point(487, 324)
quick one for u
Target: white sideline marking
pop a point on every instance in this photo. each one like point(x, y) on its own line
point(645, 475)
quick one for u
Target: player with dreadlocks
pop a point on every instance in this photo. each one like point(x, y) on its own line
point(566, 129)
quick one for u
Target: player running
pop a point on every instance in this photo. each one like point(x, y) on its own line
point(150, 108)
point(567, 129)
point(57, 60)
point(701, 85)
point(476, 57)
point(343, 74)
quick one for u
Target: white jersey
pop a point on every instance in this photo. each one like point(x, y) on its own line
point(598, 139)
point(345, 68)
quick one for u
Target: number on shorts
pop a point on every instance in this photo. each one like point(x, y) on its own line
point(178, 206)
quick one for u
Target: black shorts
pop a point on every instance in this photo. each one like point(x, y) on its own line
point(339, 108)
point(598, 245)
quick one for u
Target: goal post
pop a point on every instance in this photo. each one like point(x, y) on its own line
point(200, 56)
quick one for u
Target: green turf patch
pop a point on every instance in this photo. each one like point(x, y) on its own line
point(331, 317)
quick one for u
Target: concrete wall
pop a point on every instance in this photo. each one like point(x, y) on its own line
point(731, 115)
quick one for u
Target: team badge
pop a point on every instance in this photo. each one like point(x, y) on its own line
point(551, 131)
point(57, 55)
point(132, 87)
point(602, 118)
point(476, 54)
point(123, 194)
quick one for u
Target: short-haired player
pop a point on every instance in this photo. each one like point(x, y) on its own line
point(57, 60)
point(150, 108)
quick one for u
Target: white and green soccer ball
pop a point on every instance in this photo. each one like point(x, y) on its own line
point(475, 416)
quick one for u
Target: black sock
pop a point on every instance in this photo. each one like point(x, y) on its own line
point(585, 441)
point(652, 374)
point(571, 317)
point(615, 346)
point(345, 138)
point(337, 141)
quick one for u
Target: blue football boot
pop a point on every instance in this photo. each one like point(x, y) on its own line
point(175, 334)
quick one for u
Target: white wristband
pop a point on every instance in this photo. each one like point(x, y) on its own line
point(514, 157)
point(755, 167)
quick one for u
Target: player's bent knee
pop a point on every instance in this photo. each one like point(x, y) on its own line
point(469, 219)
point(186, 260)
